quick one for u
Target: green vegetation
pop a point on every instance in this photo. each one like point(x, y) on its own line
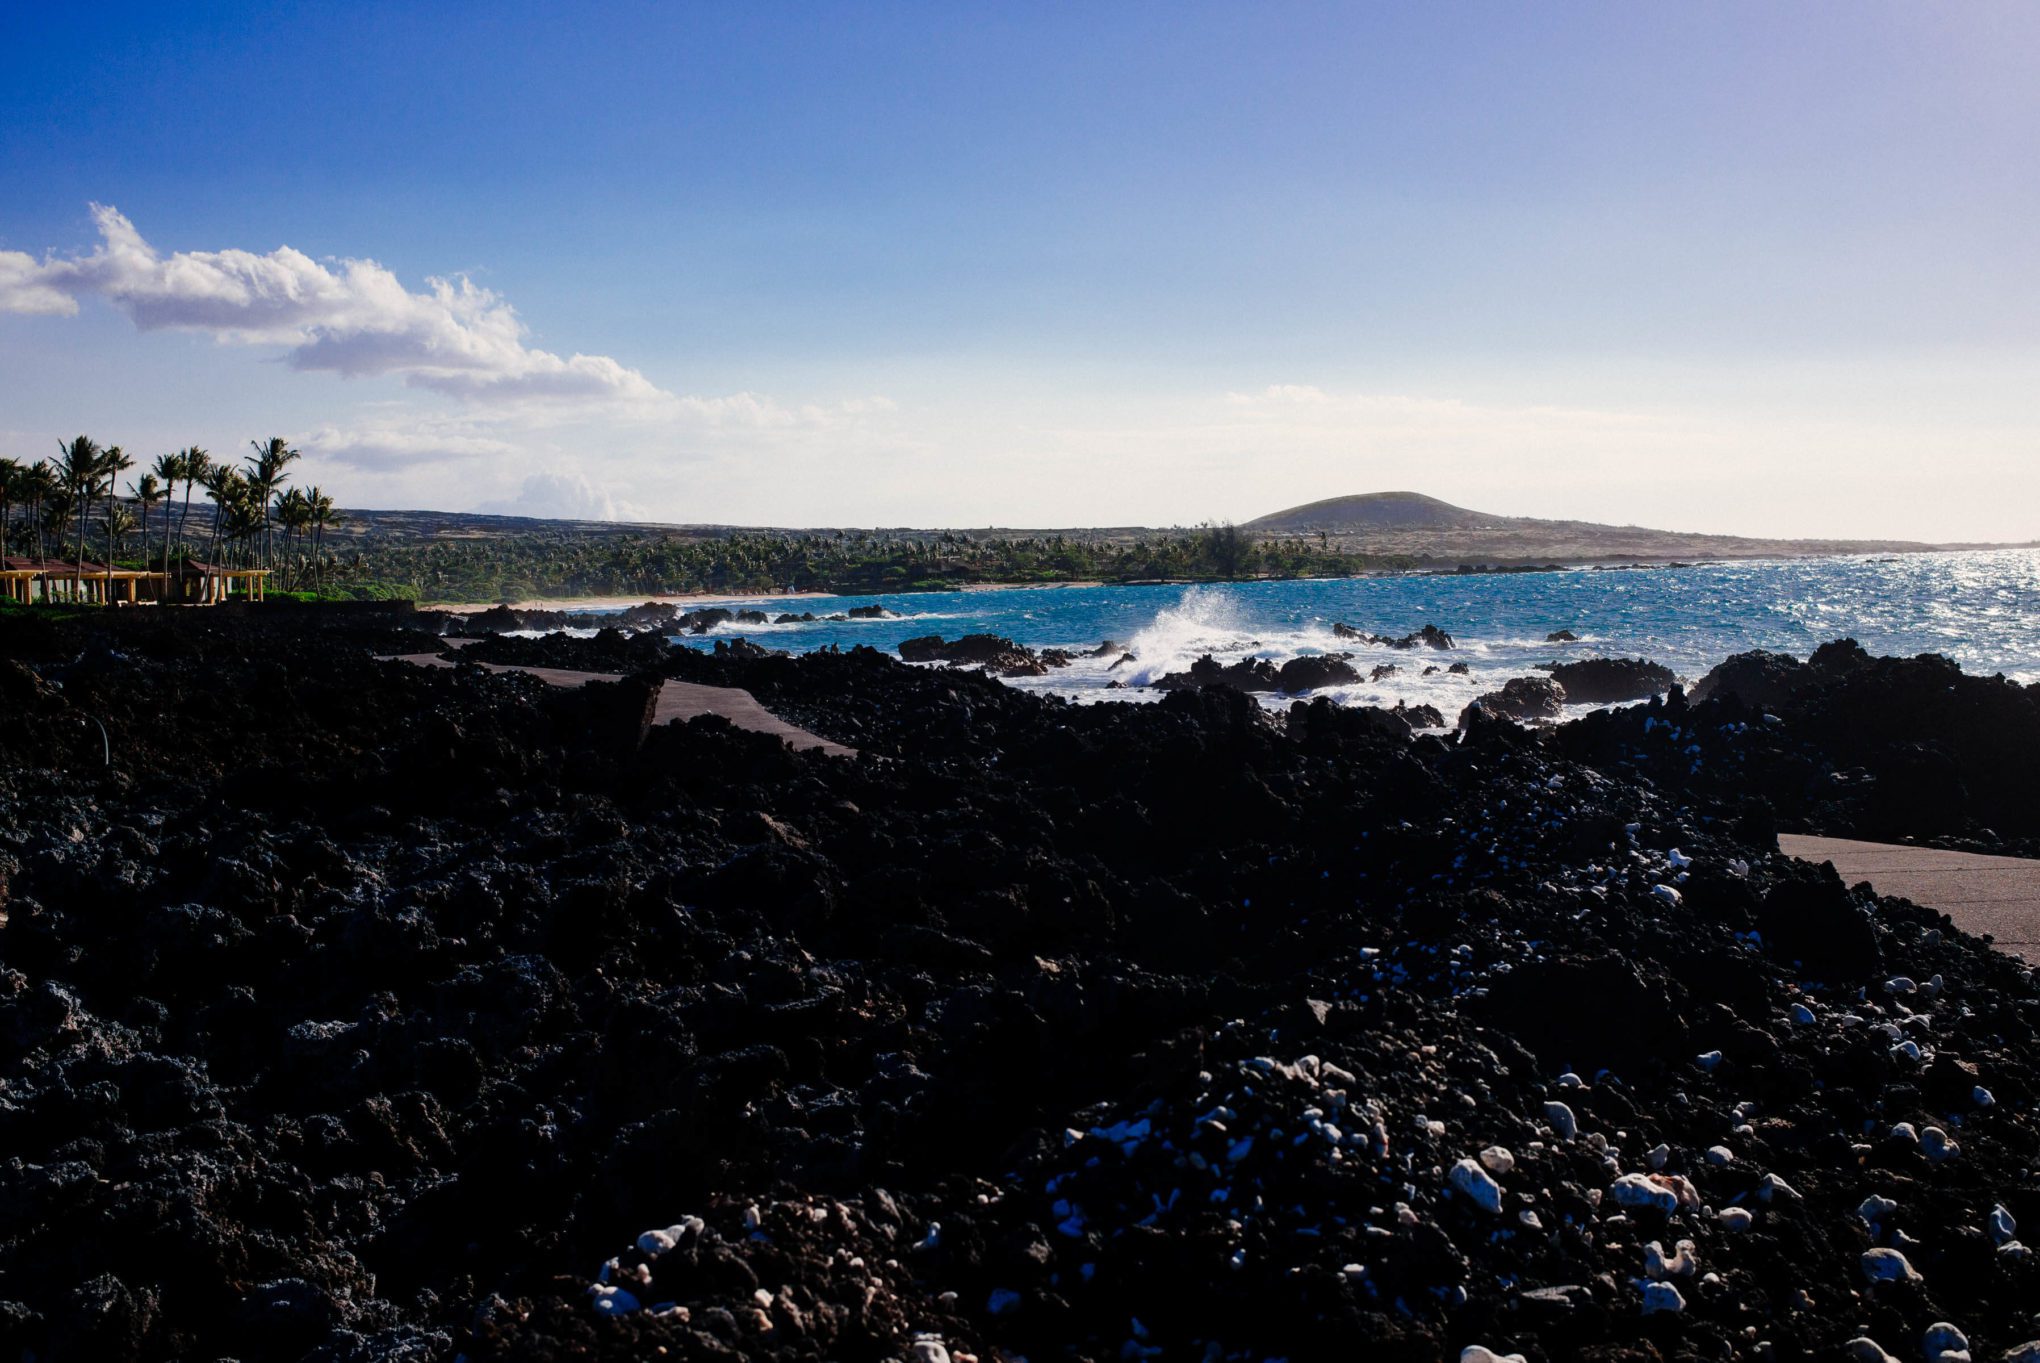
point(48, 510)
point(69, 509)
point(560, 563)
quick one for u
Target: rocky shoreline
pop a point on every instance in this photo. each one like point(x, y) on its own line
point(360, 1011)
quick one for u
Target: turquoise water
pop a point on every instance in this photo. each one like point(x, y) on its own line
point(1981, 609)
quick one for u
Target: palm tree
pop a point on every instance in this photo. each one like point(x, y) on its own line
point(229, 492)
point(247, 517)
point(11, 475)
point(41, 481)
point(198, 466)
point(118, 524)
point(54, 509)
point(147, 492)
point(323, 515)
point(294, 514)
point(112, 463)
point(214, 480)
point(78, 467)
point(265, 476)
point(170, 469)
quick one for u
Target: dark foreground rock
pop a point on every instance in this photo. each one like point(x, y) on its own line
point(1520, 698)
point(1756, 678)
point(1308, 673)
point(1845, 744)
point(1609, 681)
point(364, 1011)
point(655, 617)
point(997, 655)
point(1430, 636)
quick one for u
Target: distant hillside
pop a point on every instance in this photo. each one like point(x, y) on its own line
point(377, 526)
point(387, 527)
point(1373, 512)
point(1409, 523)
point(1404, 529)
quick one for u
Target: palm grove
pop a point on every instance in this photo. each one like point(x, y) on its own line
point(63, 510)
point(561, 559)
point(190, 508)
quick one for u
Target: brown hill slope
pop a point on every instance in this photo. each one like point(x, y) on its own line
point(1427, 528)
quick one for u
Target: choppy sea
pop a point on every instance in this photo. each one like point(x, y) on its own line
point(1981, 608)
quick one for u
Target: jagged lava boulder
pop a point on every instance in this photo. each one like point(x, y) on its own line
point(1521, 699)
point(1248, 674)
point(995, 653)
point(1315, 671)
point(1758, 678)
point(1430, 636)
point(1608, 681)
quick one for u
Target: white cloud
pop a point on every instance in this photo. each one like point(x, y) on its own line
point(351, 317)
point(24, 289)
point(566, 496)
point(380, 447)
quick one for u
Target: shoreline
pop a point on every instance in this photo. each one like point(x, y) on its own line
point(620, 602)
point(591, 603)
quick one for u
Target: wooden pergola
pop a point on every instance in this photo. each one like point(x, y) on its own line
point(101, 583)
point(18, 578)
point(88, 582)
point(190, 582)
point(208, 584)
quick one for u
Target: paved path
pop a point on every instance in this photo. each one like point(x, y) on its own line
point(1997, 895)
point(677, 700)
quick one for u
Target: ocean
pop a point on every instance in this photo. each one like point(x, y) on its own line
point(1980, 608)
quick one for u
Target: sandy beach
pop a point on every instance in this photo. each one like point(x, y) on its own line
point(592, 603)
point(1023, 586)
point(690, 599)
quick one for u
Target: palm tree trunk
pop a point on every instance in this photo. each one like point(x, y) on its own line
point(108, 596)
point(79, 499)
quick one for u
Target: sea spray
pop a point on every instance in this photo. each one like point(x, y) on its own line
point(1686, 619)
point(1204, 620)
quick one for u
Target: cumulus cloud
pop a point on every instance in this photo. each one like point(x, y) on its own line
point(381, 447)
point(23, 287)
point(351, 317)
point(565, 496)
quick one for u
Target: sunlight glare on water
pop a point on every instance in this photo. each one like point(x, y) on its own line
point(1981, 609)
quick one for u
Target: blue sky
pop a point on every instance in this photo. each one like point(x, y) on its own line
point(1754, 267)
